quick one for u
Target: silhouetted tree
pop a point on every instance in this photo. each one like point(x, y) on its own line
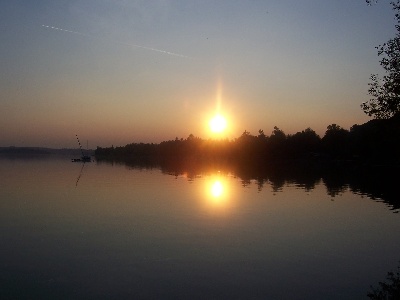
point(304, 143)
point(377, 140)
point(385, 92)
point(245, 134)
point(277, 143)
point(278, 134)
point(246, 147)
point(261, 134)
point(335, 140)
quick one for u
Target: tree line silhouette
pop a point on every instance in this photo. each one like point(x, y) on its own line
point(377, 141)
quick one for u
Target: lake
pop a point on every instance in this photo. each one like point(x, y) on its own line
point(111, 231)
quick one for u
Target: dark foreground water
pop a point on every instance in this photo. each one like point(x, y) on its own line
point(102, 231)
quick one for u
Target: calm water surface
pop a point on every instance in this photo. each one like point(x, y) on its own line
point(102, 231)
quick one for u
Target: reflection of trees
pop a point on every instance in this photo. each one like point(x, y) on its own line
point(277, 182)
point(334, 183)
point(265, 159)
point(374, 181)
point(334, 190)
point(246, 182)
point(277, 186)
point(260, 183)
point(379, 184)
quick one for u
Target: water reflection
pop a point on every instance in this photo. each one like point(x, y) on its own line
point(80, 175)
point(377, 182)
point(217, 190)
point(137, 233)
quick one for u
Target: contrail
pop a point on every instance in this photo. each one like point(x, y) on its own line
point(122, 43)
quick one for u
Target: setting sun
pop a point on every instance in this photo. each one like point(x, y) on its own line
point(218, 124)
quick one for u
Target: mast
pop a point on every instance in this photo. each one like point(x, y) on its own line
point(80, 146)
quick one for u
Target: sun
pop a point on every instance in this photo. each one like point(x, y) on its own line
point(218, 124)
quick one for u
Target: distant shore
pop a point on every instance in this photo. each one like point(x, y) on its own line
point(41, 151)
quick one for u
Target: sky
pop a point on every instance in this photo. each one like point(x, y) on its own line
point(116, 72)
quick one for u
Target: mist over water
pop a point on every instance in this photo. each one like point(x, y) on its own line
point(100, 231)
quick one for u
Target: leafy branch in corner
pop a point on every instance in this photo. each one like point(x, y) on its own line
point(385, 91)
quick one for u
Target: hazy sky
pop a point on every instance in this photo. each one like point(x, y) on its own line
point(123, 71)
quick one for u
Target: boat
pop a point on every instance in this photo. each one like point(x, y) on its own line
point(83, 158)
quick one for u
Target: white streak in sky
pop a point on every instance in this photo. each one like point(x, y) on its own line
point(122, 43)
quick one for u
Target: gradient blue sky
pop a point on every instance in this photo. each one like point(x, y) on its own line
point(288, 63)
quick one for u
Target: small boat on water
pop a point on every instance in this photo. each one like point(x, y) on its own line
point(83, 158)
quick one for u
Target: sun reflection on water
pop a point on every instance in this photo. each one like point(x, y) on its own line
point(217, 191)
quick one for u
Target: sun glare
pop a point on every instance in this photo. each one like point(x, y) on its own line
point(217, 189)
point(218, 124)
